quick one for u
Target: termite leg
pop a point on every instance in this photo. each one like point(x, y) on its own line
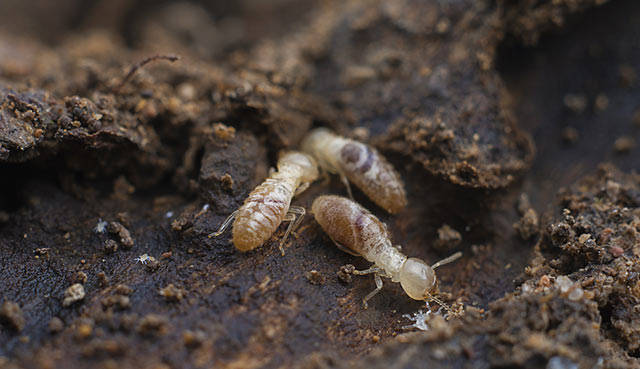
point(344, 180)
point(376, 271)
point(302, 188)
point(294, 216)
point(374, 292)
point(224, 225)
point(368, 271)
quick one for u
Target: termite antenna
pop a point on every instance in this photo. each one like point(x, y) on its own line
point(447, 260)
point(224, 225)
point(170, 57)
point(430, 297)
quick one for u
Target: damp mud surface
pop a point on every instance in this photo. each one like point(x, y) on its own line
point(514, 124)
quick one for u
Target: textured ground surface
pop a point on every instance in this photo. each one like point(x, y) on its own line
point(499, 115)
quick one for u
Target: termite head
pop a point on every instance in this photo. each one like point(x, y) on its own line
point(304, 162)
point(417, 279)
point(316, 140)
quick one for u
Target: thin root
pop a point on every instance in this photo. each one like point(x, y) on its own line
point(135, 67)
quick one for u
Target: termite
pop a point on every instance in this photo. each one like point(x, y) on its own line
point(359, 163)
point(358, 232)
point(269, 203)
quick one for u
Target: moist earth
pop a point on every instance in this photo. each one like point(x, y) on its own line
point(513, 124)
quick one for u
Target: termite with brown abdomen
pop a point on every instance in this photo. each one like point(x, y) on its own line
point(360, 164)
point(269, 203)
point(358, 232)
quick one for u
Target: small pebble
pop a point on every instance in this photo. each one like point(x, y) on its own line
point(56, 325)
point(118, 301)
point(103, 279)
point(624, 144)
point(125, 236)
point(172, 293)
point(527, 226)
point(84, 330)
point(42, 251)
point(570, 135)
point(628, 75)
point(110, 246)
point(224, 132)
point(227, 182)
point(583, 238)
point(345, 272)
point(152, 325)
point(73, 294)
point(314, 277)
point(12, 315)
point(81, 277)
point(123, 289)
point(448, 238)
point(575, 102)
point(193, 339)
point(601, 103)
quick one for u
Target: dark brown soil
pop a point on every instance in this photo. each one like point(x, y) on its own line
point(499, 115)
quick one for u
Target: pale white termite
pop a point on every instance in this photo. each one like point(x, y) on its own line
point(269, 203)
point(358, 232)
point(359, 163)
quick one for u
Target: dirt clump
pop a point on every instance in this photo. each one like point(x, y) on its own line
point(448, 238)
point(73, 294)
point(12, 315)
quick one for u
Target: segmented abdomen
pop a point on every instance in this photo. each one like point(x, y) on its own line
point(351, 225)
point(355, 228)
point(262, 212)
point(374, 175)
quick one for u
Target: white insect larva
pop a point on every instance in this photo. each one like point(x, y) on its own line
point(360, 164)
point(269, 203)
point(356, 231)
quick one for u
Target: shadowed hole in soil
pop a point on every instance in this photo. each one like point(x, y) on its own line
point(587, 59)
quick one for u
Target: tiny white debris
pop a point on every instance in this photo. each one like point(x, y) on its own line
point(101, 227)
point(74, 293)
point(576, 294)
point(205, 207)
point(144, 259)
point(566, 286)
point(561, 362)
point(419, 319)
point(169, 214)
point(563, 283)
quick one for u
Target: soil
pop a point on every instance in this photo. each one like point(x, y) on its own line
point(513, 123)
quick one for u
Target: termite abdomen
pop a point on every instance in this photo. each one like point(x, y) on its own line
point(358, 163)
